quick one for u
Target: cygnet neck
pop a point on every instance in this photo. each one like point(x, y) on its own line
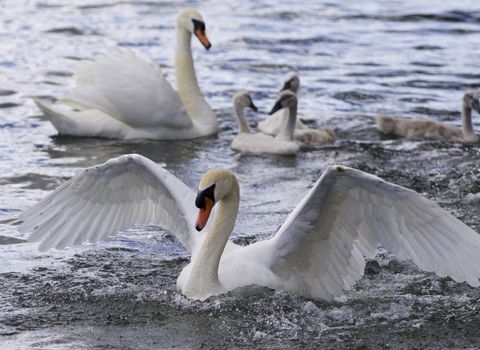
point(240, 115)
point(467, 121)
point(286, 132)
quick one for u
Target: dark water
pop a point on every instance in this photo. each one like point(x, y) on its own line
point(355, 59)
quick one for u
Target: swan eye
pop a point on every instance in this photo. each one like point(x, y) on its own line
point(206, 193)
point(198, 25)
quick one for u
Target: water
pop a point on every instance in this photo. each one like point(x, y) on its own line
point(355, 59)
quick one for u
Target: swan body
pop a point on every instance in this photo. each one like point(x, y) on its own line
point(429, 129)
point(318, 252)
point(259, 143)
point(303, 134)
point(319, 136)
point(123, 96)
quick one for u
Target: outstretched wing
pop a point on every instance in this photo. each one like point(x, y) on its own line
point(320, 250)
point(130, 89)
point(104, 199)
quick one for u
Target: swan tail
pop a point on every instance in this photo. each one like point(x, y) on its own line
point(57, 117)
point(69, 120)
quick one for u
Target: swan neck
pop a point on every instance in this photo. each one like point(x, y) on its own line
point(241, 120)
point(192, 99)
point(204, 274)
point(286, 132)
point(467, 121)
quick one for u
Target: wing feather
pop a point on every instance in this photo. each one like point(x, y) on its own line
point(102, 200)
point(130, 89)
point(321, 248)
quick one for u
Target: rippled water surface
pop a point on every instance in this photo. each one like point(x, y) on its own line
point(355, 58)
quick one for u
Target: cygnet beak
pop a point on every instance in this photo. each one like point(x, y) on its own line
point(276, 107)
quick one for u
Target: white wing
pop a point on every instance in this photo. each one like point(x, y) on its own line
point(102, 200)
point(129, 89)
point(319, 251)
point(273, 123)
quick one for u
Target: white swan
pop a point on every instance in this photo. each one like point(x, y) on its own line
point(259, 143)
point(318, 252)
point(302, 133)
point(122, 96)
point(429, 129)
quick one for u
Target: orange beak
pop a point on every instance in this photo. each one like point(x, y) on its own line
point(204, 214)
point(200, 34)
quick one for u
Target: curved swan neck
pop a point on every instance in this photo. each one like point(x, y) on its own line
point(286, 132)
point(188, 89)
point(241, 120)
point(203, 277)
point(467, 121)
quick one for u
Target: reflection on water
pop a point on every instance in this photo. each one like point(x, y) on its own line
point(97, 151)
point(355, 59)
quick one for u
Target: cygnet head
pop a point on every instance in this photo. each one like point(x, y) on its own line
point(471, 100)
point(214, 186)
point(291, 82)
point(192, 21)
point(244, 100)
point(285, 99)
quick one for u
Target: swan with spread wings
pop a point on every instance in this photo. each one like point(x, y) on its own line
point(318, 252)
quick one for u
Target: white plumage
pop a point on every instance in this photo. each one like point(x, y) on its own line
point(102, 200)
point(122, 96)
point(318, 252)
point(259, 143)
